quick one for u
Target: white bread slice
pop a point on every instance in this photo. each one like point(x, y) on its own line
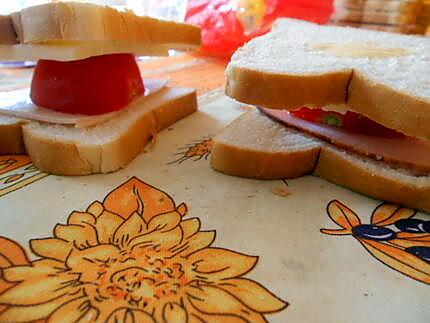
point(255, 146)
point(72, 30)
point(381, 75)
point(66, 150)
point(73, 21)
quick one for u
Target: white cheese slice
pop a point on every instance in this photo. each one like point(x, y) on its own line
point(18, 104)
point(78, 50)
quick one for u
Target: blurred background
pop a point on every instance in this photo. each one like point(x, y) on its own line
point(227, 24)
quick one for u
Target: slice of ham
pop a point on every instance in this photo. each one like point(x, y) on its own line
point(18, 104)
point(407, 152)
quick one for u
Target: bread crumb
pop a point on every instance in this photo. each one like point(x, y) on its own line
point(281, 191)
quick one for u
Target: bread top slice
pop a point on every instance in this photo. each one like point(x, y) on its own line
point(74, 22)
point(381, 75)
point(71, 30)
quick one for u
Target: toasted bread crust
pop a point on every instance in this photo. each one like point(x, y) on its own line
point(377, 101)
point(233, 160)
point(396, 110)
point(77, 22)
point(64, 157)
point(353, 175)
point(324, 160)
point(11, 141)
point(292, 67)
point(279, 91)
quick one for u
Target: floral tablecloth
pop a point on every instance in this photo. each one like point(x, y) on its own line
point(168, 239)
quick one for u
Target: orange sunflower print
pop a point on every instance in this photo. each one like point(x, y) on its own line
point(133, 258)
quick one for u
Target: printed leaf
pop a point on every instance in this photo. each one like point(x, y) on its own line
point(336, 232)
point(399, 260)
point(406, 243)
point(342, 215)
point(414, 236)
point(387, 214)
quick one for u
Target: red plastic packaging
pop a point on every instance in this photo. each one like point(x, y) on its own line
point(223, 32)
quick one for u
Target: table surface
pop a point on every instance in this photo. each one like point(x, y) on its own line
point(168, 237)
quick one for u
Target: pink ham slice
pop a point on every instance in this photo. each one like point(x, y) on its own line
point(18, 104)
point(400, 152)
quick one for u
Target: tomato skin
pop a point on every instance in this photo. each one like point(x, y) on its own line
point(350, 121)
point(91, 86)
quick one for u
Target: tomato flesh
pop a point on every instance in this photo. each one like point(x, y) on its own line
point(350, 121)
point(91, 86)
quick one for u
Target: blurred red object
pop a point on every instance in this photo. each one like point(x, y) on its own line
point(224, 22)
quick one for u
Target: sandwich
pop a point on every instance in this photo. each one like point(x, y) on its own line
point(350, 106)
point(394, 16)
point(88, 110)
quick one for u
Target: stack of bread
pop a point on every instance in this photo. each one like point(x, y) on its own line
point(423, 19)
point(402, 16)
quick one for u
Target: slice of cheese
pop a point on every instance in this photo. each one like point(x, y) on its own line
point(18, 104)
point(79, 50)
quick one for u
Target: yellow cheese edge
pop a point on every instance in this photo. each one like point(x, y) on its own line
point(76, 51)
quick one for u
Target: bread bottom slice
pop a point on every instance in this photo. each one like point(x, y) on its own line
point(255, 146)
point(104, 148)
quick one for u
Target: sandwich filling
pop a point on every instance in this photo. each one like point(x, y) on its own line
point(82, 93)
point(354, 132)
point(91, 86)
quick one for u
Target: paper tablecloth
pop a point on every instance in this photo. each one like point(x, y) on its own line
point(169, 239)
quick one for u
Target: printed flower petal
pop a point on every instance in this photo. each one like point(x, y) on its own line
point(425, 237)
point(96, 208)
point(342, 215)
point(31, 313)
point(399, 260)
point(87, 261)
point(35, 291)
point(212, 300)
point(106, 225)
point(217, 263)
point(13, 252)
point(4, 262)
point(38, 268)
point(80, 218)
point(126, 315)
point(164, 222)
point(129, 229)
point(81, 236)
point(71, 311)
point(182, 209)
point(51, 248)
point(387, 214)
point(190, 227)
point(198, 241)
point(336, 232)
point(137, 196)
point(198, 317)
point(162, 240)
point(3, 286)
point(174, 313)
point(254, 295)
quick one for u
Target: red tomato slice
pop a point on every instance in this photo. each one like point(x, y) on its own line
point(91, 86)
point(350, 121)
